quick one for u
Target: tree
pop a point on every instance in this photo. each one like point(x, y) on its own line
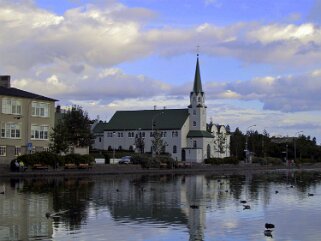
point(140, 143)
point(158, 143)
point(73, 130)
point(220, 143)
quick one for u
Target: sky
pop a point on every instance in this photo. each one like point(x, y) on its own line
point(260, 60)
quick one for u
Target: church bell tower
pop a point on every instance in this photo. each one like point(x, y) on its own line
point(197, 107)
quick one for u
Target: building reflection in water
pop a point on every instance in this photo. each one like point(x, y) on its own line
point(166, 201)
point(23, 215)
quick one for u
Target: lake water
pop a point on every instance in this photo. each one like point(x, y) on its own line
point(163, 207)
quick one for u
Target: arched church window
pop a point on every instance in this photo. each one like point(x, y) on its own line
point(194, 123)
point(199, 99)
point(174, 149)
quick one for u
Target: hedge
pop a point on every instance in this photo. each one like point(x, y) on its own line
point(220, 161)
point(54, 160)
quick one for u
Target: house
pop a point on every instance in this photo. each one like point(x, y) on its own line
point(97, 130)
point(25, 120)
point(185, 133)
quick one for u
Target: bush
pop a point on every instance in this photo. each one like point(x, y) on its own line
point(220, 161)
point(77, 158)
point(45, 158)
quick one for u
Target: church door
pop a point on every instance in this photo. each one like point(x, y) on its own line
point(208, 151)
point(183, 155)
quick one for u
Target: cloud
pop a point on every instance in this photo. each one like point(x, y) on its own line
point(101, 37)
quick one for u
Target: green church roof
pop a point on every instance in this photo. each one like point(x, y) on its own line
point(197, 80)
point(166, 119)
point(199, 134)
point(100, 127)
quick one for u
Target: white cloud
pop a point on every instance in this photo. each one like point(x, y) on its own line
point(64, 56)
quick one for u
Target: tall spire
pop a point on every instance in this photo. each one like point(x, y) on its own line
point(197, 80)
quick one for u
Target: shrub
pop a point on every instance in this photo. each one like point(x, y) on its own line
point(77, 158)
point(220, 161)
point(45, 158)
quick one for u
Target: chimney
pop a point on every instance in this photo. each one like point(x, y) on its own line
point(5, 81)
point(58, 109)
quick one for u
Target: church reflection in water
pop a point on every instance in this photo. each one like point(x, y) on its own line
point(168, 200)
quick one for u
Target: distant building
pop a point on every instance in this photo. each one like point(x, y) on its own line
point(186, 134)
point(97, 129)
point(25, 121)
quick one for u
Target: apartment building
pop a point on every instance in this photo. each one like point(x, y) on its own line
point(26, 120)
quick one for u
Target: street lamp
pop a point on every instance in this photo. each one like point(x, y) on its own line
point(114, 133)
point(295, 144)
point(246, 143)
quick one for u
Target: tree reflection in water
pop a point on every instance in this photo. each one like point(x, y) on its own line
point(158, 199)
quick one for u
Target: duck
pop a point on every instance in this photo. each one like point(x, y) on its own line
point(310, 194)
point(194, 206)
point(268, 233)
point(246, 207)
point(269, 226)
point(243, 201)
point(51, 215)
point(276, 192)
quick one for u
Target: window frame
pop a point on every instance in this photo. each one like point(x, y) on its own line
point(41, 132)
point(8, 104)
point(40, 109)
point(3, 150)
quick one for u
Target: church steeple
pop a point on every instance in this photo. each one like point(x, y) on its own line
point(197, 107)
point(197, 79)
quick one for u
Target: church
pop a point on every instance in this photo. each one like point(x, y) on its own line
point(185, 134)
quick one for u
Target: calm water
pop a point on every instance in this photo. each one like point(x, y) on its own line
point(159, 207)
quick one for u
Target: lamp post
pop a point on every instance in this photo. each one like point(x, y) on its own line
point(114, 133)
point(246, 143)
point(294, 140)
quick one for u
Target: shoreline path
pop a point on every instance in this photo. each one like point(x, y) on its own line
point(115, 169)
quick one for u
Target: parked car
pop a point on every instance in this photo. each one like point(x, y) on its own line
point(125, 160)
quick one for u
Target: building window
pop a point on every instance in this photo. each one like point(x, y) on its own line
point(10, 130)
point(110, 134)
point(17, 151)
point(40, 109)
point(39, 132)
point(194, 112)
point(99, 139)
point(174, 149)
point(11, 106)
point(174, 133)
point(199, 99)
point(194, 144)
point(194, 123)
point(3, 151)
point(120, 134)
point(151, 134)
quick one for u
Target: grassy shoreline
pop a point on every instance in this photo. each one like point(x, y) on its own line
point(135, 169)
